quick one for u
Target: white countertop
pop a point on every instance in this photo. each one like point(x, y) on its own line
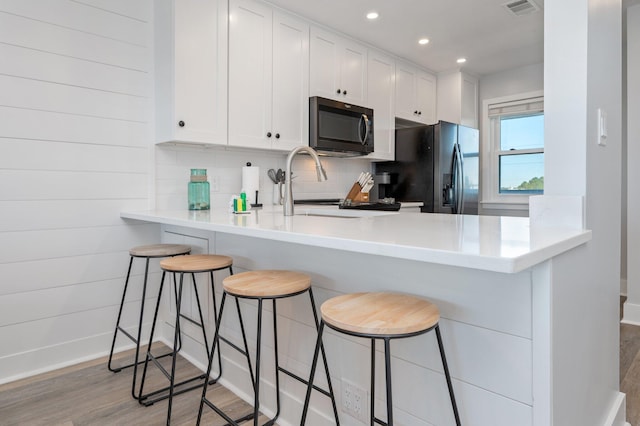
point(492, 243)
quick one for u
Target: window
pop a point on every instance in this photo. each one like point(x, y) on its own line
point(514, 148)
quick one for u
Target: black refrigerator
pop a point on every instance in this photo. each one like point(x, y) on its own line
point(437, 165)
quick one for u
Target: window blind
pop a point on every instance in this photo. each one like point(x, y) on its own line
point(523, 106)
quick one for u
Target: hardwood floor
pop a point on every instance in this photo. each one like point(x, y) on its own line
point(89, 394)
point(630, 368)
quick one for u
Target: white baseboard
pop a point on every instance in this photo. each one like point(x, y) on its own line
point(54, 357)
point(617, 414)
point(631, 313)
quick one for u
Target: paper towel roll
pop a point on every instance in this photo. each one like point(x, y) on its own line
point(251, 182)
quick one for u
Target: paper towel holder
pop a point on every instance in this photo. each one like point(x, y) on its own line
point(257, 204)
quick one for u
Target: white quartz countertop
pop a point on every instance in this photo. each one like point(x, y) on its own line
point(492, 243)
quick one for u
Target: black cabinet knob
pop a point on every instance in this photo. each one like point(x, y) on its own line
point(268, 134)
point(344, 92)
point(415, 112)
point(419, 112)
point(338, 91)
point(277, 135)
point(181, 123)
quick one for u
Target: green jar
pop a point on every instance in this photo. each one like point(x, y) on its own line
point(199, 190)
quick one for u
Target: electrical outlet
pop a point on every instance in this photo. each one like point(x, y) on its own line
point(215, 187)
point(354, 401)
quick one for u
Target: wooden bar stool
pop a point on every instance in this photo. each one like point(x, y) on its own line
point(260, 286)
point(382, 316)
point(147, 252)
point(181, 265)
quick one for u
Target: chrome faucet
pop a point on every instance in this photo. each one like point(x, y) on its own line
point(288, 190)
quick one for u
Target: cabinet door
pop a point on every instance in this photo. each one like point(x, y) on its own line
point(290, 109)
point(250, 56)
point(381, 97)
point(338, 68)
point(426, 98)
point(405, 92)
point(353, 73)
point(325, 60)
point(191, 86)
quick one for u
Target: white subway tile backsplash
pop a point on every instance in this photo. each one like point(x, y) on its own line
point(224, 171)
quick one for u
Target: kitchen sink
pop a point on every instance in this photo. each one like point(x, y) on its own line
point(342, 213)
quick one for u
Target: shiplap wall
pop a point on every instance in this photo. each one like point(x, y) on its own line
point(76, 96)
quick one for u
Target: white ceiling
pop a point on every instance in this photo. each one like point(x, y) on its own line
point(482, 31)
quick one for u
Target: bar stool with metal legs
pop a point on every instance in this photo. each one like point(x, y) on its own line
point(383, 316)
point(264, 285)
point(181, 265)
point(148, 252)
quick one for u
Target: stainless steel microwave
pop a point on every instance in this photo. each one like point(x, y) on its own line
point(340, 129)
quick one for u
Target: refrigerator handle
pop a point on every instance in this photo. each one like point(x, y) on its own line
point(454, 180)
point(460, 188)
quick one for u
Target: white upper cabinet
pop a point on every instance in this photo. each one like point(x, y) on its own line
point(191, 71)
point(268, 77)
point(415, 94)
point(290, 123)
point(381, 97)
point(458, 98)
point(338, 68)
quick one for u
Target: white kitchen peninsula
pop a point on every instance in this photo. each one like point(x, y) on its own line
point(490, 276)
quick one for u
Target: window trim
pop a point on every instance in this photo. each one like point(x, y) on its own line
point(490, 196)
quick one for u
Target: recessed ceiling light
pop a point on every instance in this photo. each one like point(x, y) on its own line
point(423, 41)
point(372, 15)
point(461, 60)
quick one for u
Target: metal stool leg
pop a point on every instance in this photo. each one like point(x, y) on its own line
point(213, 348)
point(142, 302)
point(115, 332)
point(256, 398)
point(153, 328)
point(319, 350)
point(216, 341)
point(215, 317)
point(314, 364)
point(387, 365)
point(183, 386)
point(447, 375)
point(244, 341)
point(324, 359)
point(373, 381)
point(175, 345)
point(277, 364)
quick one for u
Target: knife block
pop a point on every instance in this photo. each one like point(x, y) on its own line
point(362, 197)
point(356, 194)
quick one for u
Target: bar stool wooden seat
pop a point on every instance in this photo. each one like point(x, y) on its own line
point(147, 252)
point(264, 285)
point(383, 316)
point(181, 265)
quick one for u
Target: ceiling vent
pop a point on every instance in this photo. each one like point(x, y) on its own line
point(521, 7)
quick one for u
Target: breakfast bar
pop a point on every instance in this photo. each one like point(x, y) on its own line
point(490, 276)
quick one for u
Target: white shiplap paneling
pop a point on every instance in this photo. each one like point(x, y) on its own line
point(76, 16)
point(27, 63)
point(36, 155)
point(44, 96)
point(75, 130)
point(28, 215)
point(27, 277)
point(30, 33)
point(56, 126)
